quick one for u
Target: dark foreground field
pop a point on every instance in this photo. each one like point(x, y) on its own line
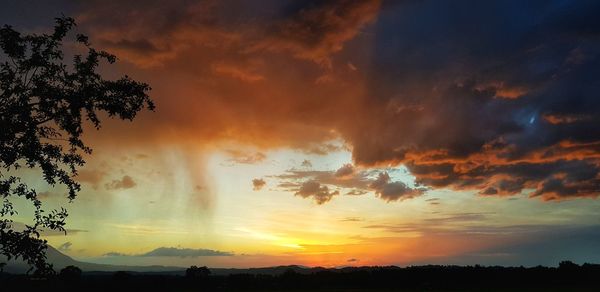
point(567, 277)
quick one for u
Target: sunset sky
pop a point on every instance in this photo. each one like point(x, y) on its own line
point(339, 133)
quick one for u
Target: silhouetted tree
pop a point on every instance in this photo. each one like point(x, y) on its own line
point(70, 273)
point(43, 105)
point(195, 272)
point(567, 265)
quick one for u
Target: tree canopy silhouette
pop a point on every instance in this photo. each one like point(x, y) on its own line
point(44, 103)
point(70, 273)
point(196, 272)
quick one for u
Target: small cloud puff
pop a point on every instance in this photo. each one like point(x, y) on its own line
point(258, 184)
point(126, 182)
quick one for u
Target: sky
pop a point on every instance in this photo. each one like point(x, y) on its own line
point(339, 133)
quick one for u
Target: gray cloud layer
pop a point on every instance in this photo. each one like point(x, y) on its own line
point(176, 252)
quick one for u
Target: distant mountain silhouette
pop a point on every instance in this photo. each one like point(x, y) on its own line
point(60, 260)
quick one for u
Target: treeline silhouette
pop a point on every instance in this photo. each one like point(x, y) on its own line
point(567, 277)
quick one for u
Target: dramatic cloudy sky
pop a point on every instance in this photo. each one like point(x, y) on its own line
point(340, 133)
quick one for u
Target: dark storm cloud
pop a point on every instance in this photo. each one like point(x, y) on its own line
point(228, 62)
point(140, 46)
point(33, 14)
point(497, 97)
point(318, 31)
point(163, 30)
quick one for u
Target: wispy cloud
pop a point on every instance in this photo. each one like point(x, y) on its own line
point(149, 230)
point(65, 246)
point(19, 226)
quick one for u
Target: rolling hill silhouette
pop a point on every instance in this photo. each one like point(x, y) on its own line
point(568, 276)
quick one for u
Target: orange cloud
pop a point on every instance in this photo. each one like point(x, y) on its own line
point(209, 88)
point(317, 33)
point(561, 171)
point(236, 72)
point(258, 184)
point(563, 119)
point(91, 176)
point(241, 157)
point(126, 182)
point(291, 81)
